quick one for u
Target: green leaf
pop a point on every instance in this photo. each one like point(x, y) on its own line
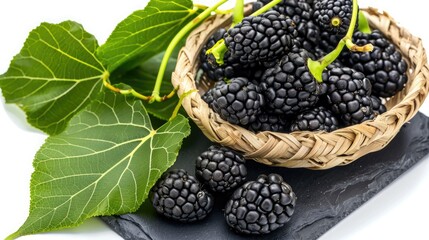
point(104, 163)
point(55, 75)
point(143, 78)
point(146, 32)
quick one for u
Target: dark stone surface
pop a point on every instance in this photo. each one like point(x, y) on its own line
point(324, 197)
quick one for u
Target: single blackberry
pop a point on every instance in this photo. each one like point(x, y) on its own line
point(261, 38)
point(267, 121)
point(261, 206)
point(179, 196)
point(298, 10)
point(349, 95)
point(208, 63)
point(289, 87)
point(377, 105)
point(221, 169)
point(333, 16)
point(385, 66)
point(238, 102)
point(316, 119)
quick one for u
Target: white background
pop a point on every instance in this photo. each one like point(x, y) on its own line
point(398, 212)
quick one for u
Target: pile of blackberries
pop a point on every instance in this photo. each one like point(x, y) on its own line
point(264, 83)
point(254, 207)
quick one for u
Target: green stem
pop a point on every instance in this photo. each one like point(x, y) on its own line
point(238, 12)
point(179, 104)
point(317, 67)
point(219, 49)
point(181, 34)
point(363, 24)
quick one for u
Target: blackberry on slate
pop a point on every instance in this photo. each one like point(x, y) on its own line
point(221, 169)
point(179, 196)
point(289, 87)
point(333, 16)
point(262, 38)
point(261, 206)
point(349, 95)
point(384, 66)
point(267, 121)
point(316, 119)
point(238, 102)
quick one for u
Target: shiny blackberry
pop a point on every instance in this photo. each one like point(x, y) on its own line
point(333, 16)
point(178, 195)
point(262, 38)
point(385, 66)
point(377, 105)
point(298, 10)
point(316, 119)
point(261, 206)
point(267, 121)
point(220, 168)
point(289, 87)
point(349, 95)
point(238, 102)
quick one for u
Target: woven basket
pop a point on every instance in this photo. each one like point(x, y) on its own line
point(312, 150)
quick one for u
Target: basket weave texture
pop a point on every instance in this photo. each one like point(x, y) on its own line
point(312, 150)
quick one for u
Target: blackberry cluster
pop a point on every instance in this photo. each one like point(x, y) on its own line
point(316, 119)
point(261, 206)
point(289, 87)
point(384, 66)
point(277, 91)
point(179, 196)
point(261, 38)
point(238, 102)
point(221, 168)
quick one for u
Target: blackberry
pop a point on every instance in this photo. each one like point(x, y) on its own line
point(384, 66)
point(349, 95)
point(208, 63)
point(179, 196)
point(333, 16)
point(289, 87)
point(316, 119)
point(377, 105)
point(261, 206)
point(298, 10)
point(261, 38)
point(328, 42)
point(208, 95)
point(267, 121)
point(238, 102)
point(221, 168)
point(309, 36)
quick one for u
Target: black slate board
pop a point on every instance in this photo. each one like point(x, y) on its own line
point(324, 197)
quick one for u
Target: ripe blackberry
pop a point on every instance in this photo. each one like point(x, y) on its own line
point(267, 121)
point(384, 66)
point(261, 38)
point(221, 169)
point(349, 95)
point(238, 102)
point(179, 196)
point(208, 63)
point(377, 105)
point(333, 16)
point(208, 95)
point(289, 87)
point(309, 36)
point(298, 10)
point(261, 206)
point(316, 119)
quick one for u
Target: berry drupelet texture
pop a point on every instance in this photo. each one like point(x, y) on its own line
point(316, 119)
point(220, 168)
point(348, 95)
point(385, 66)
point(377, 105)
point(268, 121)
point(333, 16)
point(263, 38)
point(261, 206)
point(179, 196)
point(238, 102)
point(289, 87)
